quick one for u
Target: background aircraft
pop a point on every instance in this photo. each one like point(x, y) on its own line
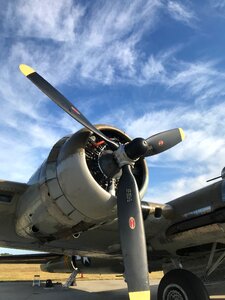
point(84, 205)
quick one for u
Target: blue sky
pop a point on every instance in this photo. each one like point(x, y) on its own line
point(143, 66)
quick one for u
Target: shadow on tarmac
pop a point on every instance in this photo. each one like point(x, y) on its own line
point(24, 291)
point(86, 290)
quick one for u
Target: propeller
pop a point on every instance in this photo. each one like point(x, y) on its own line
point(130, 220)
point(155, 144)
point(62, 102)
point(132, 236)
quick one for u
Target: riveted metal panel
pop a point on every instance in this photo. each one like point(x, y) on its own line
point(76, 216)
point(53, 154)
point(42, 174)
point(53, 209)
point(64, 205)
point(90, 199)
point(51, 171)
point(54, 188)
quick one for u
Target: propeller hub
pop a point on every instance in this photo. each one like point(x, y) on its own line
point(136, 148)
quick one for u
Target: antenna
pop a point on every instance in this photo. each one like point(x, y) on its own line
point(221, 176)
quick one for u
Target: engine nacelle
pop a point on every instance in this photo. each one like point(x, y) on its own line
point(66, 264)
point(62, 264)
point(71, 193)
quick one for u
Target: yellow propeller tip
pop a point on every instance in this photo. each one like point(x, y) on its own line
point(26, 70)
point(143, 295)
point(182, 134)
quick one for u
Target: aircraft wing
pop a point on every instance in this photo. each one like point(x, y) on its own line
point(38, 258)
point(10, 192)
point(189, 231)
point(8, 189)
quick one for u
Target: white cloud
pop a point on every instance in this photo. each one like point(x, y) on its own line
point(47, 19)
point(75, 44)
point(198, 158)
point(171, 190)
point(201, 79)
point(67, 43)
point(99, 44)
point(204, 130)
point(48, 36)
point(180, 12)
point(153, 69)
point(219, 5)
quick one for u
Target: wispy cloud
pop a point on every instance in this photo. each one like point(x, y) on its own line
point(204, 129)
point(102, 49)
point(153, 70)
point(75, 44)
point(218, 5)
point(44, 20)
point(201, 79)
point(198, 158)
point(67, 42)
point(97, 43)
point(170, 190)
point(100, 43)
point(180, 12)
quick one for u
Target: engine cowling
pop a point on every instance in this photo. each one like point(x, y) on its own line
point(72, 192)
point(62, 264)
point(66, 264)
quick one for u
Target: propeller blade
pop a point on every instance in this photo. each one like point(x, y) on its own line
point(132, 236)
point(62, 102)
point(164, 140)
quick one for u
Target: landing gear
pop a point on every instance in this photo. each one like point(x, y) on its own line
point(180, 284)
point(72, 279)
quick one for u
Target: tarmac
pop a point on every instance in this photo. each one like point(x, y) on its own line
point(85, 290)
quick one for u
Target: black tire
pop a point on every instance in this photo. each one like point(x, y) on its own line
point(181, 284)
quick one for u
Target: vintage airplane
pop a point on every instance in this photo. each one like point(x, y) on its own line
point(83, 206)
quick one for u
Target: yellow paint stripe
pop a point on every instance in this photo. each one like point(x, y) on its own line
point(26, 70)
point(144, 295)
point(182, 134)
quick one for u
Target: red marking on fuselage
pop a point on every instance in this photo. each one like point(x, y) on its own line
point(132, 223)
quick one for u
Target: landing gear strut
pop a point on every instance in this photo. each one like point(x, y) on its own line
point(180, 284)
point(72, 279)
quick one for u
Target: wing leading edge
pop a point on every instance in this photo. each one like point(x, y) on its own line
point(8, 189)
point(12, 187)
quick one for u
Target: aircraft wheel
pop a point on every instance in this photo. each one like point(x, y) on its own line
point(181, 284)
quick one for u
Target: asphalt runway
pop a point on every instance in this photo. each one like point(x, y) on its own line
point(85, 290)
